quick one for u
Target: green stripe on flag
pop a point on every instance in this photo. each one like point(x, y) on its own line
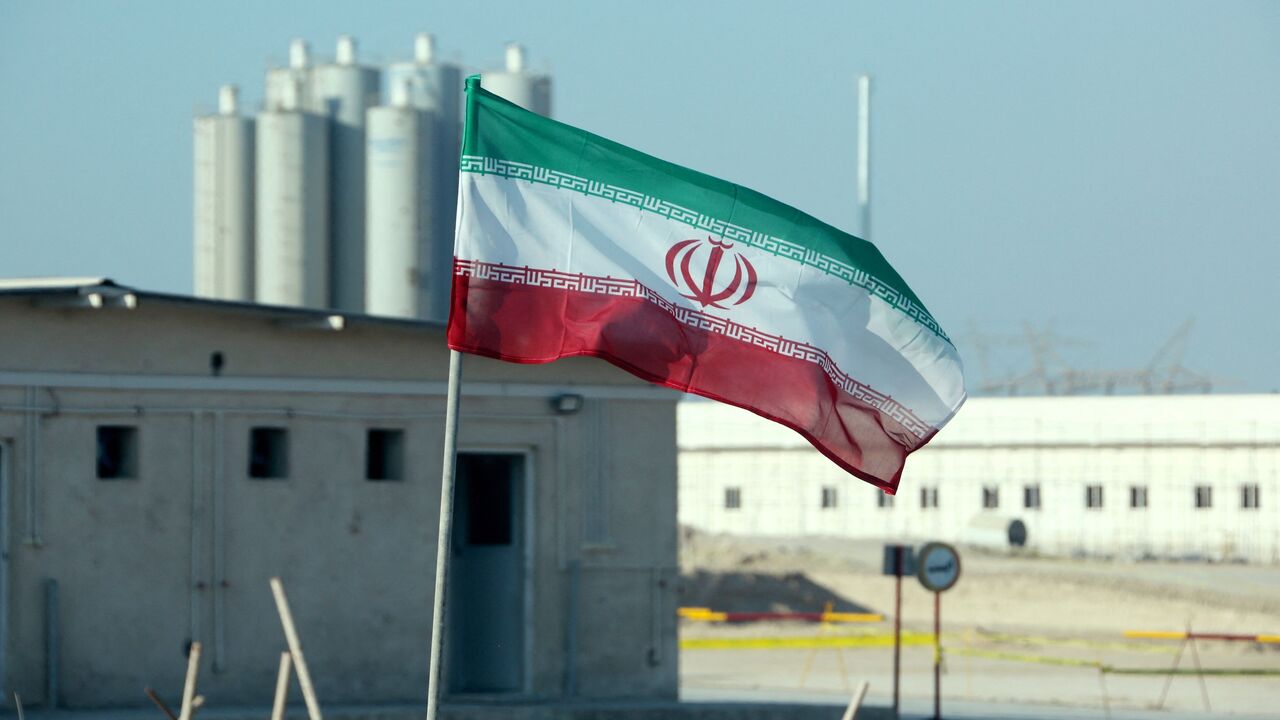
point(501, 136)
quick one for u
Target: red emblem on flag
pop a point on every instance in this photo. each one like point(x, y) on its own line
point(711, 288)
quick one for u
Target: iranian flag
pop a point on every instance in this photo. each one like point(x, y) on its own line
point(570, 244)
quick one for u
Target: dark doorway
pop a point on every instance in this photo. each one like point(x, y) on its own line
point(486, 613)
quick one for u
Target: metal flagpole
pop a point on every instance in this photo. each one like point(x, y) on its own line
point(434, 684)
point(864, 156)
point(897, 627)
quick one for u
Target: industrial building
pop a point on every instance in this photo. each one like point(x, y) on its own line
point(341, 192)
point(162, 456)
point(1140, 476)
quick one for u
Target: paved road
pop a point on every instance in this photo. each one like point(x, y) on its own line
point(972, 687)
point(953, 709)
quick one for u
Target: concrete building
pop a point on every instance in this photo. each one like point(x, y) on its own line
point(162, 456)
point(1173, 476)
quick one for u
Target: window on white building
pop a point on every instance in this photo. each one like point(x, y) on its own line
point(928, 497)
point(1031, 497)
point(884, 499)
point(1093, 496)
point(268, 453)
point(117, 452)
point(732, 498)
point(384, 455)
point(1249, 497)
point(1204, 497)
point(829, 498)
point(1137, 496)
point(990, 497)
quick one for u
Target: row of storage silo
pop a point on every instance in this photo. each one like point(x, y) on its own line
point(330, 199)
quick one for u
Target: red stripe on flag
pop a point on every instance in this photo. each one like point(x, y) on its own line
point(529, 324)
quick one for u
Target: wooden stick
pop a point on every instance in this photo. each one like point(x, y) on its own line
point(1195, 655)
point(295, 649)
point(164, 708)
point(1106, 699)
point(189, 687)
point(282, 686)
point(855, 702)
point(17, 702)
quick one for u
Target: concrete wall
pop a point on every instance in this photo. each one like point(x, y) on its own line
point(184, 550)
point(1168, 445)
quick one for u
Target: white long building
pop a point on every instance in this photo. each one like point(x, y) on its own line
point(1159, 476)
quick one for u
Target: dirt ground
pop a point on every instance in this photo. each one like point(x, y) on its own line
point(1014, 628)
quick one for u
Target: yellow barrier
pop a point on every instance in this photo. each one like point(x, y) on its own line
point(804, 642)
point(851, 617)
point(704, 614)
point(1176, 635)
point(708, 615)
point(1154, 635)
point(878, 640)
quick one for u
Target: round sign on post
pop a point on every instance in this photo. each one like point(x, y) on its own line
point(938, 566)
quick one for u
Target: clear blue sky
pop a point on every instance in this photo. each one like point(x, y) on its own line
point(1111, 167)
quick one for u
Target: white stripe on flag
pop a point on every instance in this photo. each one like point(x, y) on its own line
point(524, 224)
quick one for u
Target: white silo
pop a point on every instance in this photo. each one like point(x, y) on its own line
point(343, 90)
point(292, 258)
point(428, 168)
point(517, 84)
point(407, 277)
point(295, 79)
point(433, 86)
point(224, 159)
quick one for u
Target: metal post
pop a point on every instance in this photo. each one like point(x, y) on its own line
point(434, 689)
point(864, 156)
point(937, 656)
point(897, 625)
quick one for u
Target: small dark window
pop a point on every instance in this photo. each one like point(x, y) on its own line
point(1031, 497)
point(990, 497)
point(384, 455)
point(732, 498)
point(1093, 496)
point(117, 452)
point(1204, 497)
point(1137, 496)
point(928, 497)
point(1249, 499)
point(829, 498)
point(269, 453)
point(884, 499)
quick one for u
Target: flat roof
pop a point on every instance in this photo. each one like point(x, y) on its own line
point(107, 290)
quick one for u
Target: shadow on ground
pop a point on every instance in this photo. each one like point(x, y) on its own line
point(760, 592)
